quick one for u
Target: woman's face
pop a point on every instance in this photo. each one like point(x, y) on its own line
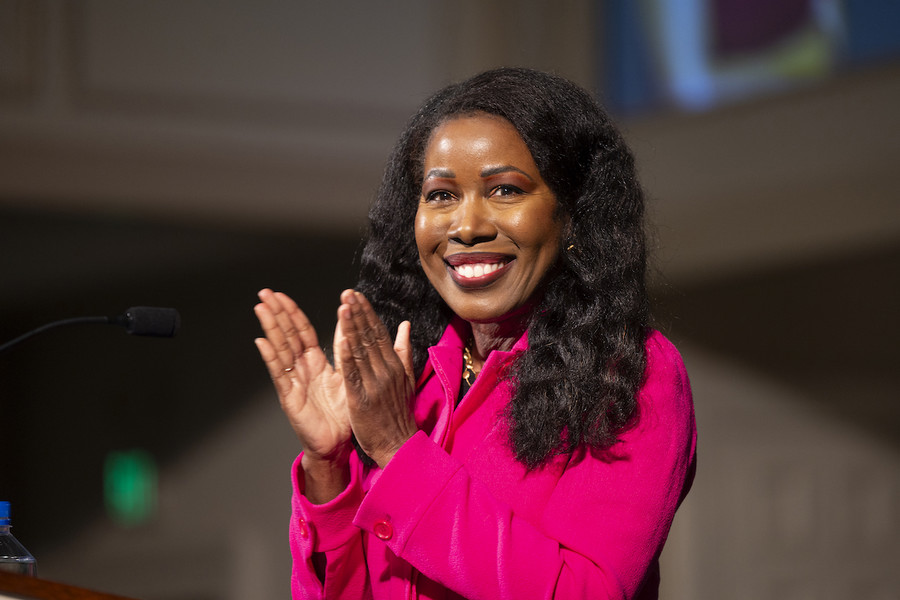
point(486, 226)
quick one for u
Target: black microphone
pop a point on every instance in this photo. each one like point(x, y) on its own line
point(137, 320)
point(150, 320)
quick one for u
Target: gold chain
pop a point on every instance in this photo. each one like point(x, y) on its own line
point(469, 371)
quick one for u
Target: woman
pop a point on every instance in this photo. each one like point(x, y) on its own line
point(526, 434)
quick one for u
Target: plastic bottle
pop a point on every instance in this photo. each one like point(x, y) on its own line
point(13, 555)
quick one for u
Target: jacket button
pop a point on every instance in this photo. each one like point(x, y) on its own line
point(384, 530)
point(303, 529)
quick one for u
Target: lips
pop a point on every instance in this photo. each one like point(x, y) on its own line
point(477, 269)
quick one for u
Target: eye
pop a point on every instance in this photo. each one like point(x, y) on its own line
point(506, 190)
point(438, 196)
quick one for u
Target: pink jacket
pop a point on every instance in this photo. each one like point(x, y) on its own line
point(454, 515)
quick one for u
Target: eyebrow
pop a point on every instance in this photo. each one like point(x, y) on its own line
point(490, 171)
point(504, 169)
point(445, 173)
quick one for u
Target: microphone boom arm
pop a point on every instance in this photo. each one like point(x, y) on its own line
point(138, 320)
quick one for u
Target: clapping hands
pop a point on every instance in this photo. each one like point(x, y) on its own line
point(368, 391)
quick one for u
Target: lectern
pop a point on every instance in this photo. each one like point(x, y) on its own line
point(22, 587)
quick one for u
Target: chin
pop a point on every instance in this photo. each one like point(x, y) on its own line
point(493, 313)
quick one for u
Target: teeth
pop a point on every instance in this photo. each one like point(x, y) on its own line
point(478, 270)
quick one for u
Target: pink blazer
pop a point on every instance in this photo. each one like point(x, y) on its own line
point(454, 515)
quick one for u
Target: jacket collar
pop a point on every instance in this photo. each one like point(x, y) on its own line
point(447, 353)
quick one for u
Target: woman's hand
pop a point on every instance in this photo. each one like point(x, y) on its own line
point(311, 392)
point(378, 378)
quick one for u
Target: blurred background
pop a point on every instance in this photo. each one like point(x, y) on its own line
point(188, 153)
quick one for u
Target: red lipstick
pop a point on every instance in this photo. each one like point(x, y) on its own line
point(477, 269)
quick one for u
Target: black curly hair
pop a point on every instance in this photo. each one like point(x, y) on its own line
point(576, 383)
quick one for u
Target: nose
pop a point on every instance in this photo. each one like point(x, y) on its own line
point(471, 222)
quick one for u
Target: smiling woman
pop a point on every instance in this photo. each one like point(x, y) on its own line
point(486, 227)
point(525, 434)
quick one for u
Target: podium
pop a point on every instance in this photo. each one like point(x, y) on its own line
point(21, 587)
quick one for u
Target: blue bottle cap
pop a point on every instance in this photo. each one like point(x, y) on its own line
point(4, 512)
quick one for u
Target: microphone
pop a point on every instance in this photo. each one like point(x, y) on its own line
point(150, 320)
point(137, 320)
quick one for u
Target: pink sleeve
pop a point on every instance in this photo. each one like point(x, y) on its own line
point(327, 528)
point(600, 533)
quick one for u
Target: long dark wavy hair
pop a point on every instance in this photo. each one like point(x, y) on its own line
point(576, 382)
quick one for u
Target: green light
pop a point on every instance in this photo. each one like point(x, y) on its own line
point(129, 486)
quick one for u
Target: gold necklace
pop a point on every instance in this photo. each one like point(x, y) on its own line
point(469, 370)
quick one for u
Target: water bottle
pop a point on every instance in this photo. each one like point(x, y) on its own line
point(13, 555)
